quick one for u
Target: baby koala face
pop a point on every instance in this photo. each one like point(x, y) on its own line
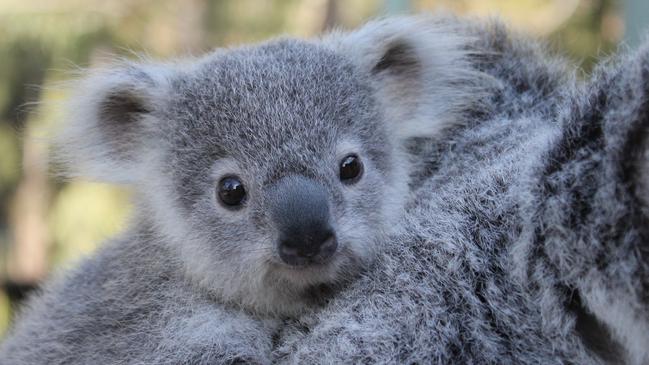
point(272, 171)
point(280, 167)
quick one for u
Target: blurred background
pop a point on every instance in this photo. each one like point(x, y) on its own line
point(47, 224)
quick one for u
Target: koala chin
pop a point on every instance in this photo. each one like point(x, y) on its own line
point(264, 176)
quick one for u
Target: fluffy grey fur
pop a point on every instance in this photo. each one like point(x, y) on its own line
point(524, 238)
point(194, 281)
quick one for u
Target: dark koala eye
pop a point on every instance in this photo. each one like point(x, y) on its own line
point(231, 191)
point(351, 169)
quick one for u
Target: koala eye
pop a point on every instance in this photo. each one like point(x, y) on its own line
point(231, 191)
point(351, 169)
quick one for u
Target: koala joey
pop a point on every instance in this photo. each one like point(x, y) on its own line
point(264, 177)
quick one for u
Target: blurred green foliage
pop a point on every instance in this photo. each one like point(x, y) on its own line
point(42, 43)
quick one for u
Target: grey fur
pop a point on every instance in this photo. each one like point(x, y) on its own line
point(526, 242)
point(193, 281)
point(523, 239)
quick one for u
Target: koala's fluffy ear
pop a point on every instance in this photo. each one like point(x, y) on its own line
point(110, 118)
point(420, 70)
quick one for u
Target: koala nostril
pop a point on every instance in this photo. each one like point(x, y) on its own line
point(328, 247)
point(287, 251)
point(289, 254)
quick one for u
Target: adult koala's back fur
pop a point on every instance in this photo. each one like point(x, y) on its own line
point(527, 239)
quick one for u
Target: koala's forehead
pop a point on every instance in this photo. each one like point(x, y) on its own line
point(279, 95)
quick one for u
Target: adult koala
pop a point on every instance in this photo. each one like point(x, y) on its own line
point(266, 178)
point(526, 240)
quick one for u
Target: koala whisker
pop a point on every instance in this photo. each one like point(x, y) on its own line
point(257, 250)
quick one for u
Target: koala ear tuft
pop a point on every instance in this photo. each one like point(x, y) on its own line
point(399, 58)
point(110, 119)
point(420, 70)
point(122, 108)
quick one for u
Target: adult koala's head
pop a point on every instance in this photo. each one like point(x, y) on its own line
point(272, 169)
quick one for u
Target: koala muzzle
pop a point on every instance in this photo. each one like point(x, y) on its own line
point(300, 209)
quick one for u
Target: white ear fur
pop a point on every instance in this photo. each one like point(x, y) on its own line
point(107, 114)
point(420, 69)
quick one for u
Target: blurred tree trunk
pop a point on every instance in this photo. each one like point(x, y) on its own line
point(331, 15)
point(26, 260)
point(190, 25)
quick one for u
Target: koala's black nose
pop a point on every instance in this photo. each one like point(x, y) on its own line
point(300, 209)
point(301, 251)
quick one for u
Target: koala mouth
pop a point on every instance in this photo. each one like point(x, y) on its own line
point(317, 279)
point(319, 294)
